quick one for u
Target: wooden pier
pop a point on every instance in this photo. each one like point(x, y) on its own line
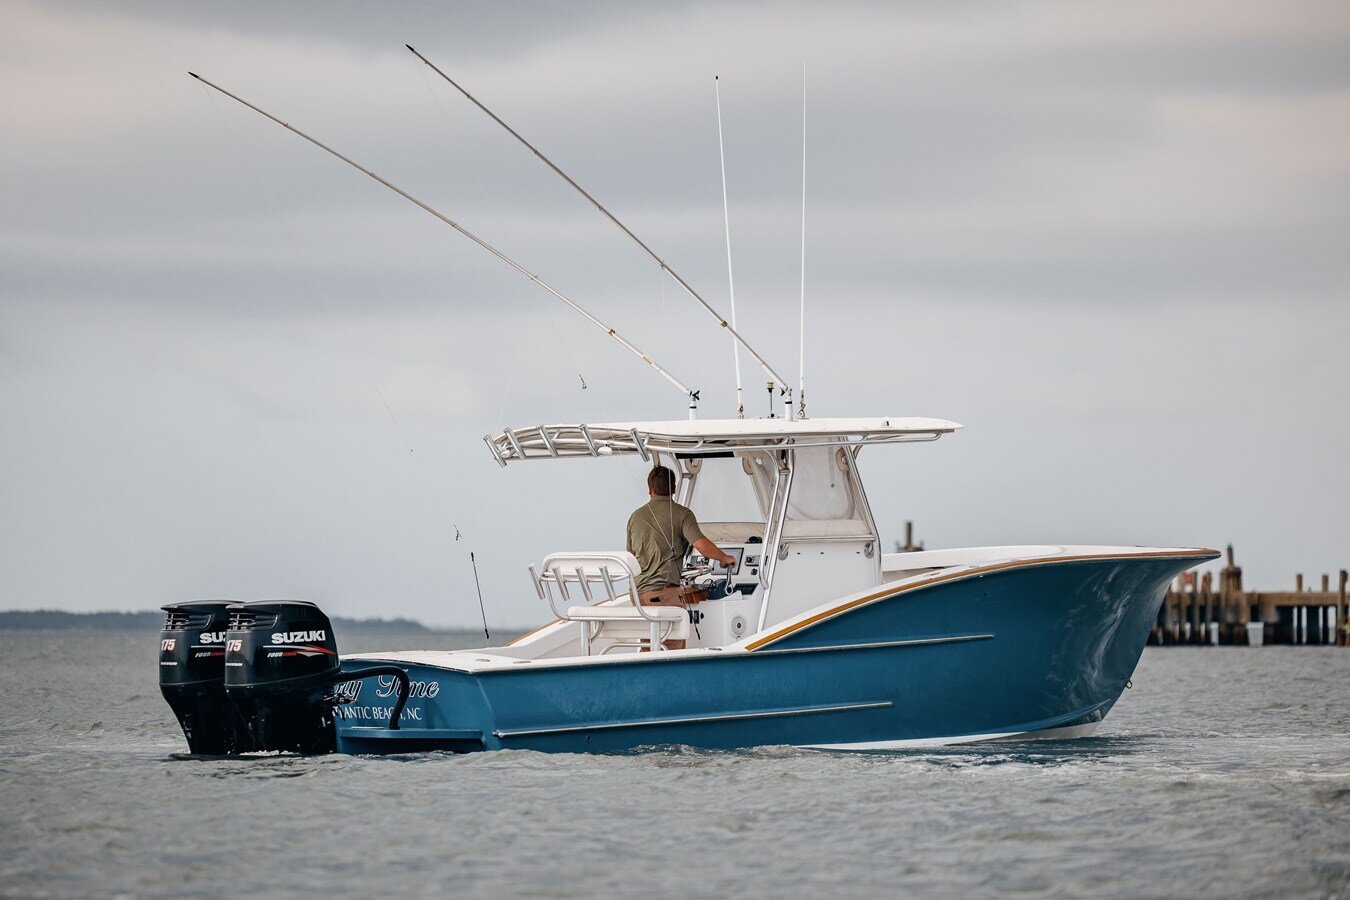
point(1197, 610)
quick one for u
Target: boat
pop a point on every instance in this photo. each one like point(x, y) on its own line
point(812, 637)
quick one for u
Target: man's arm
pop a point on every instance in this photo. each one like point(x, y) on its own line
point(712, 551)
point(694, 535)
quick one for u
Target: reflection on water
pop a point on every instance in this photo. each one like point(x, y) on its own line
point(1224, 772)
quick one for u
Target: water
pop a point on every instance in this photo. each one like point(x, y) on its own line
point(1224, 772)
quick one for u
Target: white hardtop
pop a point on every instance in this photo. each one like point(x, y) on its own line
point(707, 436)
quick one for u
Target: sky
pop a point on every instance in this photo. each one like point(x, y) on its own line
point(1108, 238)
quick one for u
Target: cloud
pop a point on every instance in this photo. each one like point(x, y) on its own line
point(1108, 237)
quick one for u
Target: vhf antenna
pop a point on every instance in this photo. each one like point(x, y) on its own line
point(690, 394)
point(777, 380)
point(478, 584)
point(731, 278)
point(801, 325)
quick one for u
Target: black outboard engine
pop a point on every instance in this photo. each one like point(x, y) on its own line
point(192, 676)
point(281, 660)
point(258, 676)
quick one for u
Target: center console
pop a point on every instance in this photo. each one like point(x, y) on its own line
point(731, 611)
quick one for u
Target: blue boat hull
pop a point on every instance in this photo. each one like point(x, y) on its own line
point(999, 653)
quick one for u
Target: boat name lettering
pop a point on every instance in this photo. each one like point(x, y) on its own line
point(295, 637)
point(388, 687)
point(377, 713)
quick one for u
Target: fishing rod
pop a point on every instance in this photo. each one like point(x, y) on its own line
point(781, 383)
point(690, 394)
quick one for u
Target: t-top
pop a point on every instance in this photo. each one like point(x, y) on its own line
point(660, 533)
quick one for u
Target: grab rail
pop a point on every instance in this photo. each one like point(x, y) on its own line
point(400, 675)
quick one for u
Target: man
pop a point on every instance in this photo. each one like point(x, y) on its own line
point(660, 533)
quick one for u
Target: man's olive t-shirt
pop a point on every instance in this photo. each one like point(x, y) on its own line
point(660, 533)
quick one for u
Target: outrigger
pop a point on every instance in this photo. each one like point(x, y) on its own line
point(814, 637)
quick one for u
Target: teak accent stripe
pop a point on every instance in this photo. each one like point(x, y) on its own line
point(531, 633)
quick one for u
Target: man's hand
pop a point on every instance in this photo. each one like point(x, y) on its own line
point(712, 551)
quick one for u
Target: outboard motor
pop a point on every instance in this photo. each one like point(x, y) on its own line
point(258, 676)
point(192, 676)
point(281, 662)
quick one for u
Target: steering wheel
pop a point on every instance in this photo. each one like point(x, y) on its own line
point(708, 567)
point(690, 572)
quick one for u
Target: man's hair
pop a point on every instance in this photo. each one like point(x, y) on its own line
point(661, 481)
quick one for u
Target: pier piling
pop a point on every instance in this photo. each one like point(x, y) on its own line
point(1194, 613)
point(1342, 614)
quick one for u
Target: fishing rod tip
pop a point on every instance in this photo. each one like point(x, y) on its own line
point(410, 47)
point(195, 75)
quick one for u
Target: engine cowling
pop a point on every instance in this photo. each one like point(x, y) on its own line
point(280, 661)
point(192, 676)
point(257, 676)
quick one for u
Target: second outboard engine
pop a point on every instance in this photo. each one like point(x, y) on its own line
point(280, 662)
point(192, 676)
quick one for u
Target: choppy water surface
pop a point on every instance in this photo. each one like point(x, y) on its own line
point(1224, 772)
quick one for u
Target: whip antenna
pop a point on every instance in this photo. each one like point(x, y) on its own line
point(731, 279)
point(691, 395)
point(801, 324)
point(778, 380)
point(479, 585)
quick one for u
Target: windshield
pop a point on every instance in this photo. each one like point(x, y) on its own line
point(724, 490)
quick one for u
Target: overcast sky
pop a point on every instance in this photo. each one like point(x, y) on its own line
point(1109, 238)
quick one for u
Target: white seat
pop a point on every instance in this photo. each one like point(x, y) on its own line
point(616, 617)
point(626, 626)
point(626, 613)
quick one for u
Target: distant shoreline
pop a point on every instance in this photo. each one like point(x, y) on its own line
point(151, 620)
